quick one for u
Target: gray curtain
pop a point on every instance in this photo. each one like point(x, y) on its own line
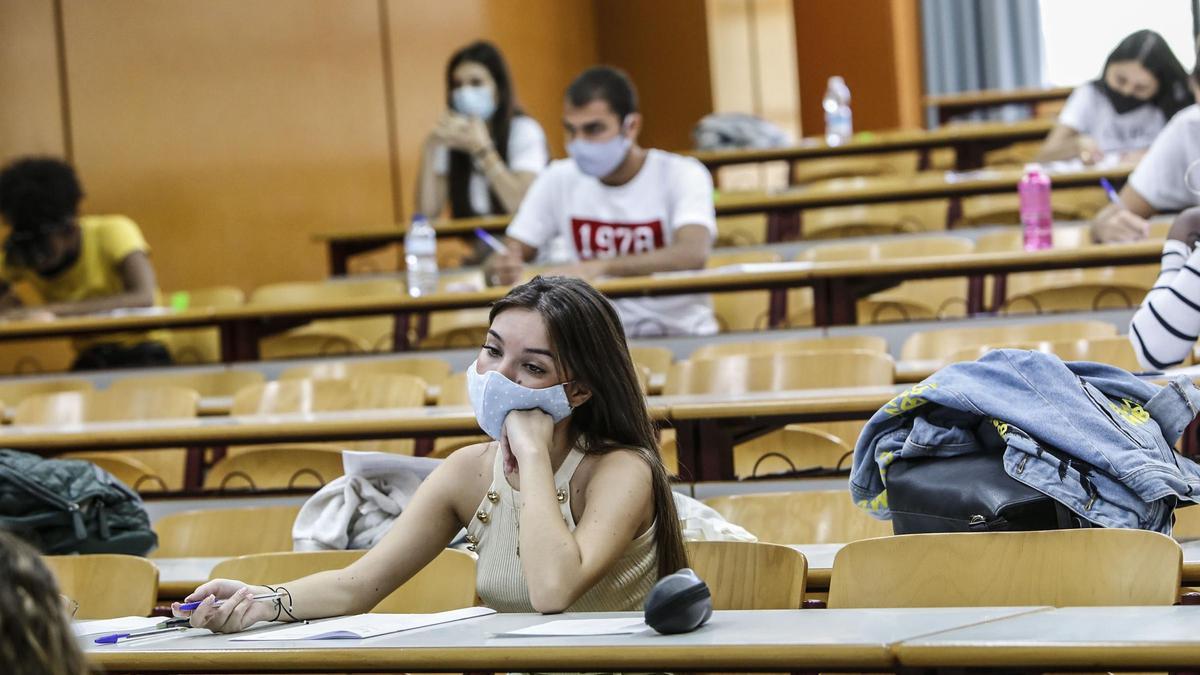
point(982, 44)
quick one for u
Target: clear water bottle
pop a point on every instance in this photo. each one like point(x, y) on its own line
point(1037, 217)
point(839, 124)
point(420, 257)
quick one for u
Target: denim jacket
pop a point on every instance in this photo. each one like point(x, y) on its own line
point(1122, 427)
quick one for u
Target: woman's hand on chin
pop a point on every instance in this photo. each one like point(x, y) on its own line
point(527, 436)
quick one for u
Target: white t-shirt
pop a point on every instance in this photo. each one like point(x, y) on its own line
point(526, 152)
point(603, 221)
point(1159, 177)
point(1089, 112)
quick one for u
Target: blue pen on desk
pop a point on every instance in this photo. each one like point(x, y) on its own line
point(494, 243)
point(170, 625)
point(1112, 193)
point(191, 606)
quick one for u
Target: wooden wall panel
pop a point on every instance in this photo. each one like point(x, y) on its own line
point(30, 107)
point(231, 130)
point(546, 43)
point(874, 45)
point(663, 45)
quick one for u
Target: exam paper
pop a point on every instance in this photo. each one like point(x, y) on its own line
point(364, 626)
point(123, 624)
point(369, 464)
point(577, 627)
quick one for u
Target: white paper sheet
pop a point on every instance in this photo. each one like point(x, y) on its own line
point(123, 624)
point(368, 464)
point(577, 627)
point(365, 626)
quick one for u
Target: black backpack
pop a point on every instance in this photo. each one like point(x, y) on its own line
point(71, 506)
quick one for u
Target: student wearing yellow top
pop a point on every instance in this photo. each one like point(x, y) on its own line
point(77, 264)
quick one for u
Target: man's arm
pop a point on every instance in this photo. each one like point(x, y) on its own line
point(137, 274)
point(689, 251)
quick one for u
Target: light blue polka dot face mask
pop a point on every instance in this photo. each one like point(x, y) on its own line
point(493, 396)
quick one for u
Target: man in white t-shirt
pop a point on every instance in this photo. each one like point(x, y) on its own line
point(624, 210)
point(1164, 181)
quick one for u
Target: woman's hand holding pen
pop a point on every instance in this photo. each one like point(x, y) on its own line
point(237, 610)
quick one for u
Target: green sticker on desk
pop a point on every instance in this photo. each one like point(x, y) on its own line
point(180, 300)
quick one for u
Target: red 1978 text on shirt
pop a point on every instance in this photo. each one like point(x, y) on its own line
point(598, 239)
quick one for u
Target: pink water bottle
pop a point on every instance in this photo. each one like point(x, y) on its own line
point(1037, 218)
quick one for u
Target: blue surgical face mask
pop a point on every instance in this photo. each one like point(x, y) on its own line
point(493, 396)
point(474, 101)
point(600, 158)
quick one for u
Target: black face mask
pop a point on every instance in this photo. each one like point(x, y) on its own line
point(1120, 102)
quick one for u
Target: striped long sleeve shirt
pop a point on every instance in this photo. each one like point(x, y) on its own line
point(1166, 325)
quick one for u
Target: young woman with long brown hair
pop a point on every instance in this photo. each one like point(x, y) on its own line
point(569, 508)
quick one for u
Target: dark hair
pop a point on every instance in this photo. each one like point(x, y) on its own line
point(35, 191)
point(487, 55)
point(35, 635)
point(1151, 51)
point(590, 344)
point(604, 83)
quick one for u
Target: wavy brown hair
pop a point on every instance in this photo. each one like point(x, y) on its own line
point(35, 635)
point(589, 343)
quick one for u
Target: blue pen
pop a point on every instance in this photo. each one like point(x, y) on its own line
point(1112, 193)
point(176, 624)
point(191, 606)
point(495, 244)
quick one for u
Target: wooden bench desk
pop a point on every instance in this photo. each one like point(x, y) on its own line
point(948, 106)
point(776, 640)
point(970, 142)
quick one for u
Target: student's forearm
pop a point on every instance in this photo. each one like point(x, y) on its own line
point(669, 259)
point(1054, 150)
point(104, 304)
point(430, 197)
point(324, 594)
point(550, 556)
point(508, 185)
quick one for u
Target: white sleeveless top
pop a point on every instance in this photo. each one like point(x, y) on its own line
point(499, 580)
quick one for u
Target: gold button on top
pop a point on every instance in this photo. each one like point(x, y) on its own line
point(562, 496)
point(482, 516)
point(472, 539)
point(492, 496)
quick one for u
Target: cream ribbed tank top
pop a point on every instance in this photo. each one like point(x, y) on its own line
point(499, 579)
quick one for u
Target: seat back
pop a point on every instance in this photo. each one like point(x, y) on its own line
point(432, 371)
point(1061, 568)
point(106, 586)
point(225, 532)
point(802, 517)
point(448, 582)
point(276, 467)
point(366, 392)
point(744, 310)
point(940, 344)
point(870, 343)
point(211, 383)
point(780, 372)
point(749, 575)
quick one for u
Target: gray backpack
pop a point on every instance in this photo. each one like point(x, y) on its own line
point(71, 506)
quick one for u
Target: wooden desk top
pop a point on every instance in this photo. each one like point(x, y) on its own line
point(876, 189)
point(972, 99)
point(851, 400)
point(883, 141)
point(732, 640)
point(1092, 638)
point(707, 281)
point(464, 227)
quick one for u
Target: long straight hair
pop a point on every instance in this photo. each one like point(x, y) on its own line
point(35, 635)
point(590, 345)
point(487, 55)
point(1152, 52)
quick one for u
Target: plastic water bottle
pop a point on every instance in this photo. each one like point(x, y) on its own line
point(420, 258)
point(839, 125)
point(1037, 218)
